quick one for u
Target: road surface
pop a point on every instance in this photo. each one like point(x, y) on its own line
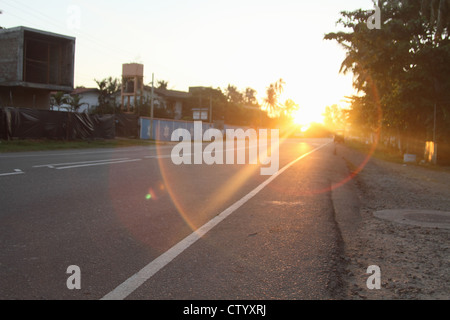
point(140, 227)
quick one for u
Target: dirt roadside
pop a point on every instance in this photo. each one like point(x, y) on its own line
point(414, 260)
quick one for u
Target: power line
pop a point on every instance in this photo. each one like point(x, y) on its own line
point(116, 52)
point(98, 43)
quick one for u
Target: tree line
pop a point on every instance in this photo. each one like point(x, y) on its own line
point(230, 105)
point(401, 71)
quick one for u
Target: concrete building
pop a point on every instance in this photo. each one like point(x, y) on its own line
point(34, 63)
point(132, 85)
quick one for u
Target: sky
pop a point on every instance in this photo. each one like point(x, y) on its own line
point(244, 43)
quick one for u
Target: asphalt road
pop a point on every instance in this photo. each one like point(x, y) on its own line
point(117, 212)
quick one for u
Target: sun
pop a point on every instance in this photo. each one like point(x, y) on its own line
point(305, 117)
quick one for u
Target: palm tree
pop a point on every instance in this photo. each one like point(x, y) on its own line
point(74, 102)
point(271, 101)
point(59, 99)
point(107, 87)
point(163, 84)
point(101, 84)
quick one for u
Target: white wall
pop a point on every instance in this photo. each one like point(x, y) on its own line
point(91, 98)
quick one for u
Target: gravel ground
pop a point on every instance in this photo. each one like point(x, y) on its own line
point(414, 260)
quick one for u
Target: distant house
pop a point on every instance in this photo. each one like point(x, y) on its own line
point(88, 100)
point(33, 63)
point(172, 100)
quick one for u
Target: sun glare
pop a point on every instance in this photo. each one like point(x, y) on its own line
point(304, 118)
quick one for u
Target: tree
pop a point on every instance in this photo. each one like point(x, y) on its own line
point(75, 102)
point(163, 84)
point(335, 118)
point(233, 95)
point(400, 70)
point(250, 97)
point(271, 101)
point(437, 12)
point(58, 99)
point(107, 87)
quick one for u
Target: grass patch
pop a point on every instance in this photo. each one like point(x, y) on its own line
point(386, 154)
point(381, 152)
point(45, 145)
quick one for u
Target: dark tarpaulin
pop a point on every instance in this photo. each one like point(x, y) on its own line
point(127, 125)
point(8, 123)
point(54, 124)
point(80, 126)
point(104, 126)
point(26, 123)
point(3, 133)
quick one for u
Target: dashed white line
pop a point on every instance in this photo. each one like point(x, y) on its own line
point(16, 172)
point(96, 164)
point(74, 163)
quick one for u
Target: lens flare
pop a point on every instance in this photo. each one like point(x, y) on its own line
point(195, 211)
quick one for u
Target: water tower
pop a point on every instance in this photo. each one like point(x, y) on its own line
point(132, 85)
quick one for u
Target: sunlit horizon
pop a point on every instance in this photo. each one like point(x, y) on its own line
point(202, 43)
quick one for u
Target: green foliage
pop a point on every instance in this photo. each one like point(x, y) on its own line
point(401, 71)
point(106, 101)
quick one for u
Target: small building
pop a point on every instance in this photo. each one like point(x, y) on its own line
point(166, 99)
point(34, 63)
point(172, 100)
point(89, 98)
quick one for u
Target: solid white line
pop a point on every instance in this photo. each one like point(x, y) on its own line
point(96, 164)
point(138, 279)
point(81, 162)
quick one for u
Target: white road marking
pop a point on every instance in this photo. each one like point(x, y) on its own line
point(138, 279)
point(158, 157)
point(164, 156)
point(16, 172)
point(72, 163)
point(71, 153)
point(96, 164)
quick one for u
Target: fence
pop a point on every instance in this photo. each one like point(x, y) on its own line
point(163, 128)
point(24, 123)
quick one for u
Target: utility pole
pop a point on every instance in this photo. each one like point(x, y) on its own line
point(210, 108)
point(151, 106)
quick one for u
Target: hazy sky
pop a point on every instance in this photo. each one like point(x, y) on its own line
point(202, 43)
